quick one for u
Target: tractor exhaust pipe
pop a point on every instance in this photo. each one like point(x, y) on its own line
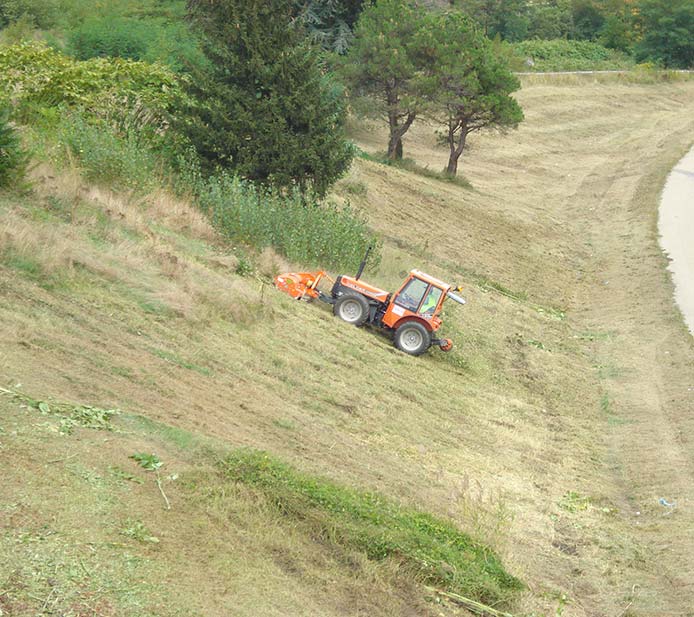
point(362, 265)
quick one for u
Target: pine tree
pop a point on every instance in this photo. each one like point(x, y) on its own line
point(266, 109)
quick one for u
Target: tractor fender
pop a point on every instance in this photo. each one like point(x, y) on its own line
point(424, 322)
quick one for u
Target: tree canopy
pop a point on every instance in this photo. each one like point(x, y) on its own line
point(382, 65)
point(266, 108)
point(668, 32)
point(469, 84)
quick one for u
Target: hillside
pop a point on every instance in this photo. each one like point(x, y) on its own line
point(549, 433)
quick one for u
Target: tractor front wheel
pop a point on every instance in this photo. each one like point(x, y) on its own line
point(352, 308)
point(412, 338)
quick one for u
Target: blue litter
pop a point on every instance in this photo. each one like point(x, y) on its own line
point(664, 502)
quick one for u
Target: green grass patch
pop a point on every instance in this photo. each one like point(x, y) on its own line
point(178, 361)
point(433, 549)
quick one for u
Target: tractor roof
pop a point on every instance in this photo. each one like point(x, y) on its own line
point(431, 280)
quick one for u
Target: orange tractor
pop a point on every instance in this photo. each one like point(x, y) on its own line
point(412, 313)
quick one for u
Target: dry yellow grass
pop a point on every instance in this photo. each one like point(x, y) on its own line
point(510, 435)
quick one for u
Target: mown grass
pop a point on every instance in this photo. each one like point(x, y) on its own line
point(433, 549)
point(412, 166)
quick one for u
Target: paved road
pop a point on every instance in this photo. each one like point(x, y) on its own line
point(676, 227)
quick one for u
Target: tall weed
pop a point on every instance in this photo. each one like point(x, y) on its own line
point(122, 161)
point(13, 159)
point(303, 230)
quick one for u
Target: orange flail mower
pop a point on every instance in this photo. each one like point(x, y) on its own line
point(412, 313)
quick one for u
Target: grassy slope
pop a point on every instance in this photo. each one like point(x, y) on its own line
point(515, 435)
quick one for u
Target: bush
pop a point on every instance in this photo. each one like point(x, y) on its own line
point(151, 40)
point(312, 233)
point(34, 73)
point(110, 37)
point(13, 159)
point(42, 13)
point(563, 55)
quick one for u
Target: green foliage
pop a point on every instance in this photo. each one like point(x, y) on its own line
point(69, 414)
point(266, 107)
point(507, 19)
point(34, 73)
point(125, 161)
point(13, 158)
point(467, 83)
point(550, 19)
point(304, 231)
point(588, 19)
point(668, 32)
point(41, 13)
point(382, 65)
point(137, 530)
point(434, 549)
point(150, 462)
point(136, 38)
point(563, 55)
point(329, 22)
point(100, 37)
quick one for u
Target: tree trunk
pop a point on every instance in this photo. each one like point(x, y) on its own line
point(396, 133)
point(456, 147)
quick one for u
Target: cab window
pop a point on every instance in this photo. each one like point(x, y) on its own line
point(431, 301)
point(411, 295)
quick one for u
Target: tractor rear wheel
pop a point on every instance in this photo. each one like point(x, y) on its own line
point(412, 338)
point(352, 308)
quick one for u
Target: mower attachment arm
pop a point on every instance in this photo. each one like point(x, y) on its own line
point(455, 298)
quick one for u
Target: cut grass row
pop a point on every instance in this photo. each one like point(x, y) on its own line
point(426, 548)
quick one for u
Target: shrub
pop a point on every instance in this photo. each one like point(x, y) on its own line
point(42, 13)
point(564, 55)
point(34, 73)
point(148, 39)
point(101, 37)
point(307, 232)
point(13, 159)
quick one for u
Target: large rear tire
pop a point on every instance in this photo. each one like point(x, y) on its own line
point(412, 338)
point(352, 308)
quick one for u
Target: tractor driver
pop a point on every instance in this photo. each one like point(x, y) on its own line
point(430, 302)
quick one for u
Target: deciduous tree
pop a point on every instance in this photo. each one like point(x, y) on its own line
point(668, 32)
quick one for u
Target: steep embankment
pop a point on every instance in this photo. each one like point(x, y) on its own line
point(535, 434)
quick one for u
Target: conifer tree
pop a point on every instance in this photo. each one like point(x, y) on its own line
point(266, 108)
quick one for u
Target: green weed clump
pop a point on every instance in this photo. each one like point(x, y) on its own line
point(566, 55)
point(432, 548)
point(125, 160)
point(302, 229)
point(13, 159)
point(136, 38)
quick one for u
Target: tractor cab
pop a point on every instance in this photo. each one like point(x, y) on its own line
point(419, 298)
